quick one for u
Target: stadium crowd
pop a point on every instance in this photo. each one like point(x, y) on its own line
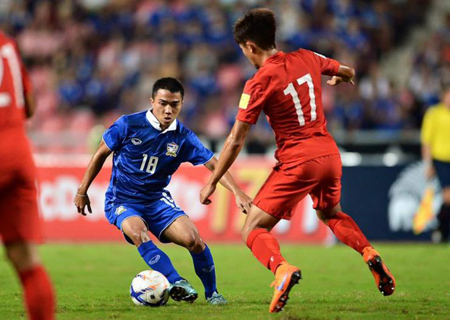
point(93, 60)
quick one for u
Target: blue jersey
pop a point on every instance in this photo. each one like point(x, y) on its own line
point(146, 157)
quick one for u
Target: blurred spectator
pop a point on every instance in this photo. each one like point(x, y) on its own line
point(94, 59)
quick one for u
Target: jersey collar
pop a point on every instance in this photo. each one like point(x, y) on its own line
point(155, 123)
point(274, 57)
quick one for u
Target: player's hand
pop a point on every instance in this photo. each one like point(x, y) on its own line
point(337, 80)
point(430, 172)
point(81, 201)
point(243, 201)
point(206, 192)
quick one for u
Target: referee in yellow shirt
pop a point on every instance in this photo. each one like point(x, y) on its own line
point(436, 154)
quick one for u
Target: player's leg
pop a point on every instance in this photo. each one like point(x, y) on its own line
point(276, 200)
point(344, 227)
point(159, 216)
point(256, 234)
point(25, 259)
point(326, 196)
point(136, 230)
point(184, 233)
point(444, 216)
point(443, 174)
point(348, 232)
point(265, 247)
point(20, 228)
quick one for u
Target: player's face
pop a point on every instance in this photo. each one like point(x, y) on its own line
point(249, 54)
point(166, 106)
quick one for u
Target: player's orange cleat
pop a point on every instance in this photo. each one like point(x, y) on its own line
point(286, 277)
point(383, 277)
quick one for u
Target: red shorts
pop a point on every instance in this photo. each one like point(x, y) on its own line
point(285, 188)
point(19, 216)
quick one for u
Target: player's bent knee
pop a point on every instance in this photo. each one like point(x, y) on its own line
point(253, 222)
point(327, 214)
point(194, 243)
point(23, 256)
point(139, 236)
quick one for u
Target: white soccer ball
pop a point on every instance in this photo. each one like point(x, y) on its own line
point(149, 288)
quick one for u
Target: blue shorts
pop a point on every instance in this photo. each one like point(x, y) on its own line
point(158, 215)
point(442, 172)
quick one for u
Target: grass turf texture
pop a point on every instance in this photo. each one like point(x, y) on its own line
point(92, 282)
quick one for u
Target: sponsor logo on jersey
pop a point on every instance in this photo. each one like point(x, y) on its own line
point(136, 141)
point(172, 149)
point(245, 99)
point(120, 210)
point(154, 260)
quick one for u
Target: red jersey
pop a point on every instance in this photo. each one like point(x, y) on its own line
point(21, 222)
point(14, 85)
point(288, 89)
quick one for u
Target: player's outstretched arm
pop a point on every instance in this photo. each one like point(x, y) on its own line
point(230, 151)
point(243, 201)
point(81, 198)
point(345, 74)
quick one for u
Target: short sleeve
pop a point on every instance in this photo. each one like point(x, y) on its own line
point(427, 127)
point(115, 135)
point(252, 102)
point(328, 67)
point(196, 153)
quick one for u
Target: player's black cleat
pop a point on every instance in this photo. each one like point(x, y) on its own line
point(383, 277)
point(182, 290)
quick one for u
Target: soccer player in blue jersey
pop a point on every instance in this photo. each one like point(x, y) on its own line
point(148, 148)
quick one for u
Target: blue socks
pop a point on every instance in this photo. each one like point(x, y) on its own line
point(203, 265)
point(159, 261)
point(205, 270)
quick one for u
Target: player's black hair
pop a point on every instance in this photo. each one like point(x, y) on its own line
point(259, 26)
point(171, 84)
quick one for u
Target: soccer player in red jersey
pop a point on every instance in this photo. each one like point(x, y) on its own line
point(19, 218)
point(287, 87)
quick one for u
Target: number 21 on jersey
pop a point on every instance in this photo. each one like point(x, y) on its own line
point(151, 164)
point(290, 89)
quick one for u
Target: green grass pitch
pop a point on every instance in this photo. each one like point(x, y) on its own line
point(92, 282)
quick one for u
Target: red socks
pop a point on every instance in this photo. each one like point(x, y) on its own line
point(265, 248)
point(38, 294)
point(348, 232)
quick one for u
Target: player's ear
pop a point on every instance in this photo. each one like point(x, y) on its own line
point(250, 46)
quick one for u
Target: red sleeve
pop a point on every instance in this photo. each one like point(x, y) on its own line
point(328, 67)
point(252, 102)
